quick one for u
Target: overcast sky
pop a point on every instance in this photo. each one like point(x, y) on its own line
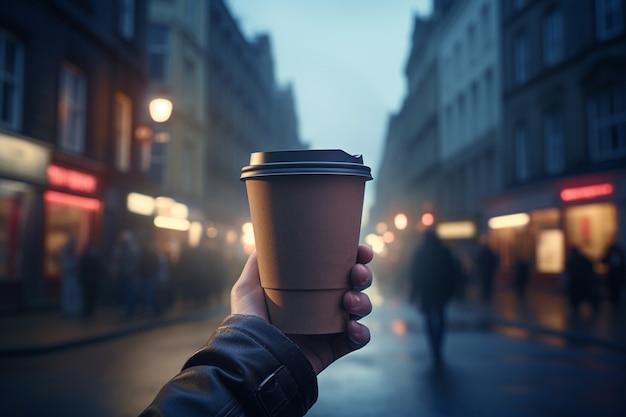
point(345, 61)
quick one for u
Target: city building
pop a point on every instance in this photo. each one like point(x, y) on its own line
point(564, 133)
point(441, 158)
point(73, 88)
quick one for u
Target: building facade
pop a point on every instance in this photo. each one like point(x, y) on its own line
point(441, 147)
point(564, 84)
point(73, 88)
point(531, 138)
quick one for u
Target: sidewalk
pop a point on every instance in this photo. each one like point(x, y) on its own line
point(40, 332)
point(544, 314)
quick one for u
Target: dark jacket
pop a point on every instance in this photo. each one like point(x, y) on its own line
point(435, 273)
point(247, 368)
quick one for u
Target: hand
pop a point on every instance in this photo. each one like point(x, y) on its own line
point(247, 297)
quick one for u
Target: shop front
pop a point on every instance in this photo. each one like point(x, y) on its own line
point(72, 217)
point(540, 223)
point(23, 164)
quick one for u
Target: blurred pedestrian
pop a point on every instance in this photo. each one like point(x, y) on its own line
point(434, 278)
point(616, 272)
point(579, 281)
point(125, 269)
point(164, 290)
point(486, 265)
point(149, 275)
point(521, 277)
point(91, 268)
point(70, 284)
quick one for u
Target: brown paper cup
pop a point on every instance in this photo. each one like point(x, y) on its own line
point(306, 226)
point(307, 312)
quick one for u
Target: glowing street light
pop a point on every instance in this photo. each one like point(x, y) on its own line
point(160, 109)
point(400, 221)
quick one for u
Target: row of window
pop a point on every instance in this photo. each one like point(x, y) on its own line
point(471, 47)
point(606, 124)
point(72, 104)
point(609, 24)
point(470, 113)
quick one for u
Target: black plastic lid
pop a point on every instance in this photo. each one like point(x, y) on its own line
point(305, 162)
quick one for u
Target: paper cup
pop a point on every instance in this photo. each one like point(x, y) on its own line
point(306, 212)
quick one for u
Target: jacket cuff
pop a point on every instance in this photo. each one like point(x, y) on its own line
point(283, 380)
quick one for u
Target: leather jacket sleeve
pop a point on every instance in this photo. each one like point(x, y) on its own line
point(247, 368)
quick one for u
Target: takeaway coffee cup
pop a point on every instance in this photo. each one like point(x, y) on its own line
point(306, 210)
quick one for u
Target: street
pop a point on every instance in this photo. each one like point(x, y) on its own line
point(488, 372)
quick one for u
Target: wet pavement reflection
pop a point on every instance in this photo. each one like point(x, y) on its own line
point(489, 369)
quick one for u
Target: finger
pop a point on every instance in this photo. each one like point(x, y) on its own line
point(364, 255)
point(358, 334)
point(357, 304)
point(361, 277)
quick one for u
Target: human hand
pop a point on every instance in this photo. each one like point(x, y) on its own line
point(247, 297)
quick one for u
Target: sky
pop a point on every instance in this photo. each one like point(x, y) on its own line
point(345, 61)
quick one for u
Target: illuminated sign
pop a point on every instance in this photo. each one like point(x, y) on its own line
point(71, 200)
point(456, 230)
point(510, 220)
point(71, 179)
point(587, 192)
point(140, 204)
point(23, 159)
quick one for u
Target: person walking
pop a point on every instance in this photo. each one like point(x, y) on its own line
point(125, 269)
point(434, 277)
point(90, 277)
point(616, 272)
point(579, 281)
point(486, 264)
point(521, 277)
point(70, 283)
point(149, 275)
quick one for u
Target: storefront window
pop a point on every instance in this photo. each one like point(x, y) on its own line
point(591, 228)
point(11, 196)
point(64, 221)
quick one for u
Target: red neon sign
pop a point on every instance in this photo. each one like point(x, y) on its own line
point(71, 179)
point(586, 193)
point(71, 200)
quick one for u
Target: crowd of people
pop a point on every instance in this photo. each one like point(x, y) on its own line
point(141, 277)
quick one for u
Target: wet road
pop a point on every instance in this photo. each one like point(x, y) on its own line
point(487, 373)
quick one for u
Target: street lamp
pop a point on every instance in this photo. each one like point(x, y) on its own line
point(160, 109)
point(400, 221)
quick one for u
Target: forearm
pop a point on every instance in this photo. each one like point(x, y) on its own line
point(247, 368)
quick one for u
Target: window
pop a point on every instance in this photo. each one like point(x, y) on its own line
point(189, 83)
point(471, 44)
point(520, 58)
point(489, 103)
point(553, 38)
point(122, 131)
point(609, 19)
point(554, 146)
point(522, 154)
point(154, 159)
point(485, 25)
point(126, 18)
point(192, 14)
point(187, 171)
point(72, 112)
point(11, 79)
point(474, 117)
point(606, 116)
point(519, 4)
point(157, 52)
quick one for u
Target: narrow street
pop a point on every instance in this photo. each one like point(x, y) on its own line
point(490, 370)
